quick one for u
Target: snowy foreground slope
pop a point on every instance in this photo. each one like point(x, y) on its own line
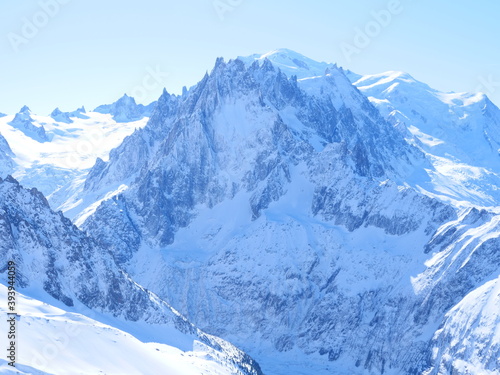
point(55, 341)
point(289, 216)
point(59, 265)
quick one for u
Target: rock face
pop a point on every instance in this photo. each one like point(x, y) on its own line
point(79, 113)
point(191, 151)
point(60, 116)
point(126, 109)
point(468, 341)
point(65, 117)
point(54, 257)
point(276, 213)
point(23, 122)
point(7, 163)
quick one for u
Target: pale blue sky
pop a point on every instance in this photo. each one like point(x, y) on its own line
point(91, 52)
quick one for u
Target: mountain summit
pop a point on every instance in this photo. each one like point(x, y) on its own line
point(126, 109)
point(291, 63)
point(25, 123)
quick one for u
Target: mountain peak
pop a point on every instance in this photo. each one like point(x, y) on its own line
point(79, 113)
point(126, 100)
point(126, 109)
point(56, 112)
point(25, 109)
point(291, 63)
point(25, 123)
point(284, 52)
point(60, 116)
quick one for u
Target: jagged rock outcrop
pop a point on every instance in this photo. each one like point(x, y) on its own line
point(126, 109)
point(25, 123)
point(7, 163)
point(60, 116)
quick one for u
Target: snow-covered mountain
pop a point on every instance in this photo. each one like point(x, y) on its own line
point(291, 63)
point(458, 132)
point(54, 153)
point(66, 117)
point(323, 227)
point(24, 122)
point(285, 215)
point(58, 264)
point(469, 340)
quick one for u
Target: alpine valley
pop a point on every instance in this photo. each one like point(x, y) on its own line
point(282, 217)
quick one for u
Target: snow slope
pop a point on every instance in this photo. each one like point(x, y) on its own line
point(52, 340)
point(460, 133)
point(469, 341)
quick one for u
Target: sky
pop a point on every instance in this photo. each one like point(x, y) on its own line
point(68, 53)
